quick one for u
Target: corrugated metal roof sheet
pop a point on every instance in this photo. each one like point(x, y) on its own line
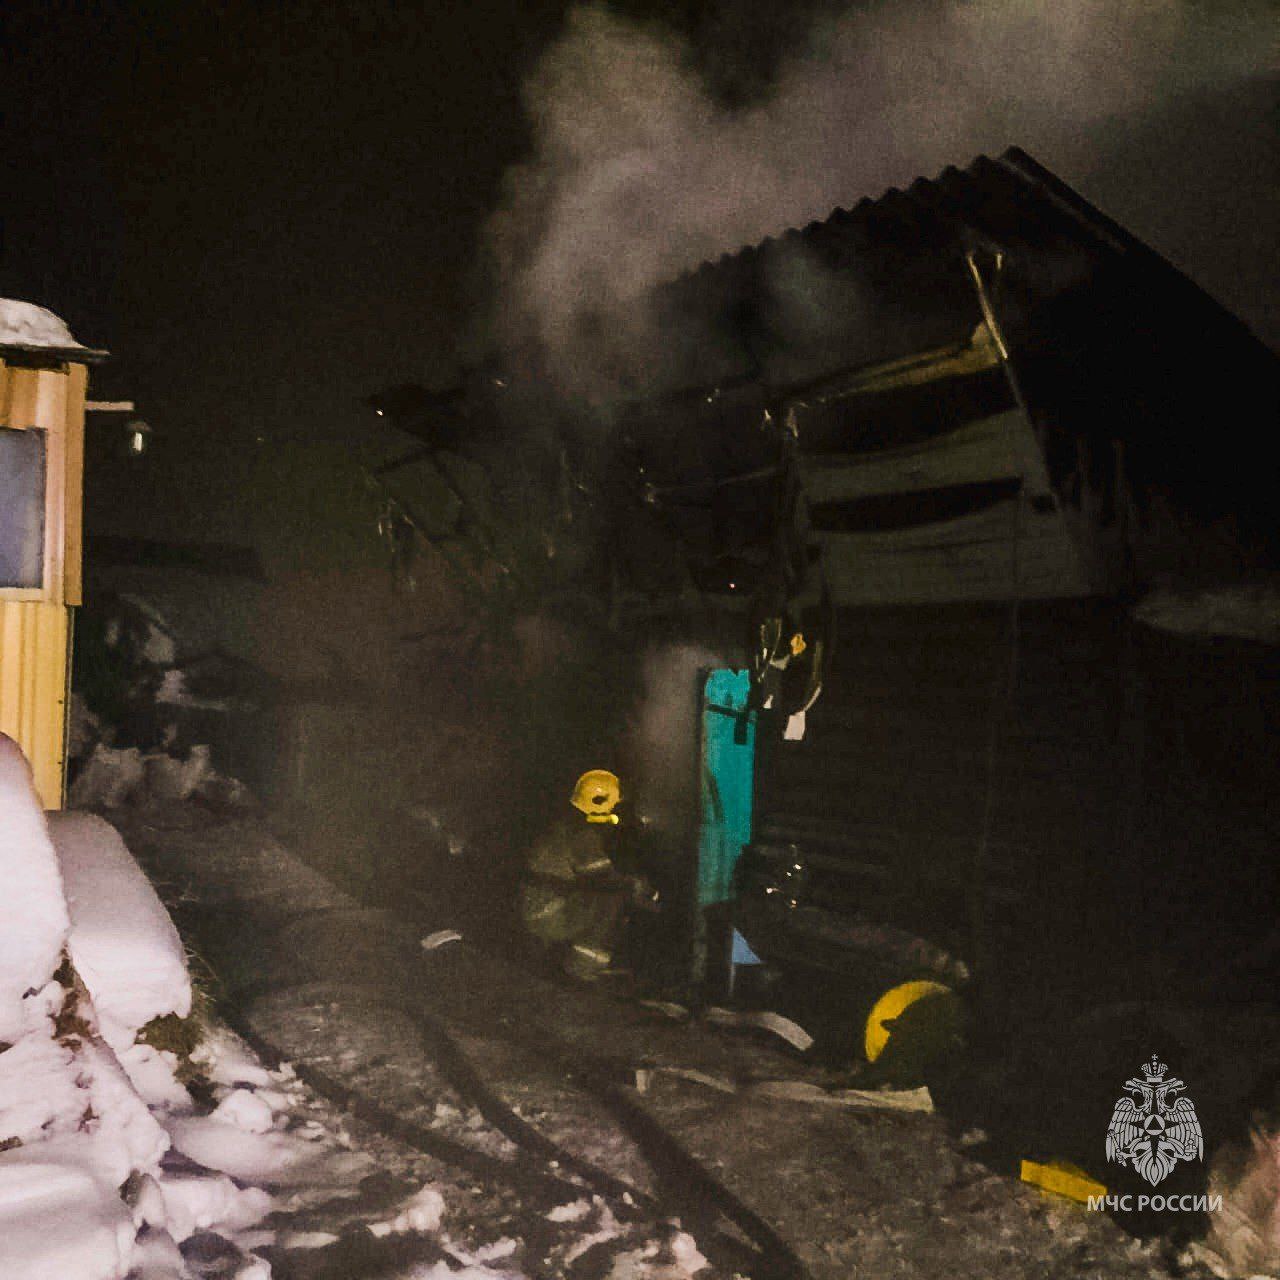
point(887, 278)
point(1136, 380)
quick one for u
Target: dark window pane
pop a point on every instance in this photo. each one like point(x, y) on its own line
point(21, 508)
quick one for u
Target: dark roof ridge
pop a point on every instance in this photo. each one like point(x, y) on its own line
point(1021, 166)
point(839, 213)
point(1111, 233)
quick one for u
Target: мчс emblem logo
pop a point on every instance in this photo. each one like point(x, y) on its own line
point(1154, 1125)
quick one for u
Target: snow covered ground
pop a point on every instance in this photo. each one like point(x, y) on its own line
point(858, 1194)
point(109, 1165)
point(348, 1151)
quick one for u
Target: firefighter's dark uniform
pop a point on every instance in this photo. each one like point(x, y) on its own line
point(573, 895)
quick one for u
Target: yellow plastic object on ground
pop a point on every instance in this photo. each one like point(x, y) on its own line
point(1062, 1179)
point(896, 1001)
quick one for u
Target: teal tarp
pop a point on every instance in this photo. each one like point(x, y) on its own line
point(728, 766)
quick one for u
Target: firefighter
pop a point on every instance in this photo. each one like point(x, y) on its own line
point(574, 899)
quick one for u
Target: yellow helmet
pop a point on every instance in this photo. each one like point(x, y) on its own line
point(597, 794)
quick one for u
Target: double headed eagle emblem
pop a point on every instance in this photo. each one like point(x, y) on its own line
point(1154, 1125)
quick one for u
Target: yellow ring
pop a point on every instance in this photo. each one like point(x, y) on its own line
point(896, 1001)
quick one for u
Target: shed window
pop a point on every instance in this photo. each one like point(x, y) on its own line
point(22, 474)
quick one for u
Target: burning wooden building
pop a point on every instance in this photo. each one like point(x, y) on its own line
point(991, 420)
point(934, 459)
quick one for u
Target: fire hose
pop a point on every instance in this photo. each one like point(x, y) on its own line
point(686, 1188)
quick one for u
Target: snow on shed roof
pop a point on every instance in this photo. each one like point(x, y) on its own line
point(31, 330)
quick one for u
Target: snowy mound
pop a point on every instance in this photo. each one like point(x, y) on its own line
point(122, 942)
point(58, 1213)
point(76, 1133)
point(33, 913)
point(23, 324)
point(72, 1127)
point(107, 1169)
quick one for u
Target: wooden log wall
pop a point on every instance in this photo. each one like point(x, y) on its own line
point(1133, 824)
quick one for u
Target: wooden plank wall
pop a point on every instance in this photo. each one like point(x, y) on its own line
point(35, 623)
point(1131, 804)
point(34, 645)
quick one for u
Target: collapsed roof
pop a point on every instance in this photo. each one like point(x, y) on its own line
point(979, 358)
point(880, 328)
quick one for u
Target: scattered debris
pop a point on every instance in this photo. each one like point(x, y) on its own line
point(170, 779)
point(153, 708)
point(689, 1073)
point(858, 1191)
point(440, 938)
point(909, 1100)
point(906, 1100)
point(111, 778)
point(668, 1009)
point(794, 1034)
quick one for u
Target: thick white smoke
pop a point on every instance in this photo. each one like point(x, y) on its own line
point(664, 739)
point(637, 172)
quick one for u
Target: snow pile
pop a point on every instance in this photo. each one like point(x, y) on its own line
point(122, 944)
point(112, 777)
point(268, 1159)
point(72, 1129)
point(421, 1212)
point(89, 1186)
point(448, 1271)
point(168, 705)
point(23, 324)
point(108, 778)
point(57, 1220)
point(1243, 610)
point(246, 1110)
point(227, 1061)
point(195, 1202)
point(33, 912)
point(676, 1259)
point(67, 1092)
point(575, 1211)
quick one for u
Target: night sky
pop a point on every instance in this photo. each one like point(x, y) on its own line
point(267, 211)
point(237, 197)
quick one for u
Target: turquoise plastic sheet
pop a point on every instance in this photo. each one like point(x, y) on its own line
point(728, 772)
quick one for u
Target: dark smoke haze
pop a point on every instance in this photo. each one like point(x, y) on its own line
point(638, 171)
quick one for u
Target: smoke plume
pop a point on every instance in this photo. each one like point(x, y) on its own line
point(638, 171)
point(664, 738)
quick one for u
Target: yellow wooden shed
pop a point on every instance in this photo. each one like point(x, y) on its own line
point(43, 379)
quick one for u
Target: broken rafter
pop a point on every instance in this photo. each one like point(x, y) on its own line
point(976, 355)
